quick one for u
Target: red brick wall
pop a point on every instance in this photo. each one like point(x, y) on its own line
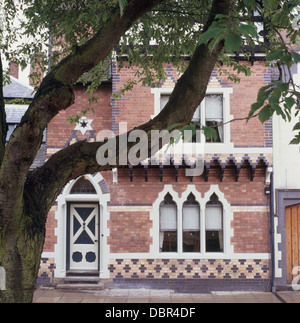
point(129, 232)
point(14, 69)
point(250, 228)
point(137, 106)
point(59, 131)
point(50, 238)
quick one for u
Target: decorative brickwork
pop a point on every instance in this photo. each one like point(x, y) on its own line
point(46, 272)
point(190, 268)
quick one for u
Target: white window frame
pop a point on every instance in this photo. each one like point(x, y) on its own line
point(210, 147)
point(227, 218)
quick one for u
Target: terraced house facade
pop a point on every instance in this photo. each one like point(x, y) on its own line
point(152, 224)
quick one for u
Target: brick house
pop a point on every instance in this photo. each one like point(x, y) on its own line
point(152, 225)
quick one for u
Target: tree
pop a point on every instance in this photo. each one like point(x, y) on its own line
point(83, 34)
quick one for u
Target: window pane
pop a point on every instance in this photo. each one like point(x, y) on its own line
point(214, 115)
point(213, 218)
point(214, 241)
point(196, 116)
point(214, 107)
point(83, 186)
point(191, 218)
point(191, 241)
point(168, 241)
point(168, 217)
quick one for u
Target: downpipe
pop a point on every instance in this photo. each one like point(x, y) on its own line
point(272, 231)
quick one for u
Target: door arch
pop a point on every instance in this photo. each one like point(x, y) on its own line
point(82, 217)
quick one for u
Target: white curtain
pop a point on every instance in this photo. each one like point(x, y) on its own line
point(196, 116)
point(221, 131)
point(168, 221)
point(191, 218)
point(214, 112)
point(168, 217)
point(221, 240)
point(161, 239)
point(214, 107)
point(213, 218)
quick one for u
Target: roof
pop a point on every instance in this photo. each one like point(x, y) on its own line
point(17, 90)
point(14, 114)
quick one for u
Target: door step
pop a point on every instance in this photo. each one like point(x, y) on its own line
point(81, 280)
point(80, 287)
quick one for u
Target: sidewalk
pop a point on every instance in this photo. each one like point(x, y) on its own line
point(160, 296)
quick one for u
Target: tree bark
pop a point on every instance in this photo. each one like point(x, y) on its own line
point(3, 126)
point(26, 197)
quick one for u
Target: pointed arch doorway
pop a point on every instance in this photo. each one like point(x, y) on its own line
point(82, 231)
point(83, 238)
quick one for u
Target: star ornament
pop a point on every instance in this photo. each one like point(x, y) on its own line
point(84, 125)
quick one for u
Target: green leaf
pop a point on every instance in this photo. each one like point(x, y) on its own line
point(289, 102)
point(209, 34)
point(173, 126)
point(296, 140)
point(264, 92)
point(248, 30)
point(254, 107)
point(233, 42)
point(210, 133)
point(275, 97)
point(122, 4)
point(297, 126)
point(283, 87)
point(265, 114)
point(250, 3)
point(273, 56)
point(297, 94)
point(296, 57)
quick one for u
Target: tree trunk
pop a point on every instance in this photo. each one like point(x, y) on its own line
point(22, 238)
point(26, 197)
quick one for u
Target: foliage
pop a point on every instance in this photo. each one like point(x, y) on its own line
point(50, 30)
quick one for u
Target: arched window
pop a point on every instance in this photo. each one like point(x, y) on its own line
point(168, 225)
point(83, 186)
point(191, 225)
point(214, 225)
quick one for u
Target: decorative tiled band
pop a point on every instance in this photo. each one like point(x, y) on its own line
point(190, 268)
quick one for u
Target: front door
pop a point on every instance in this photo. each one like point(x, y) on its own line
point(292, 226)
point(83, 237)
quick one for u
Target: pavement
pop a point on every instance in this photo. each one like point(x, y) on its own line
point(114, 295)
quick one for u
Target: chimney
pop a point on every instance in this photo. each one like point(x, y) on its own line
point(14, 69)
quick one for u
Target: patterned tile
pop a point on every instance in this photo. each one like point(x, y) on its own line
point(190, 269)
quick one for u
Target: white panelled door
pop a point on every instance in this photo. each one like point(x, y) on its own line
point(84, 236)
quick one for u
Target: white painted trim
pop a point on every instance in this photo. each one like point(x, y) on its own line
point(60, 248)
point(227, 230)
point(227, 145)
point(208, 255)
point(48, 255)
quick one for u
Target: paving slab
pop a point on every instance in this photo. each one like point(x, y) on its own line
point(115, 295)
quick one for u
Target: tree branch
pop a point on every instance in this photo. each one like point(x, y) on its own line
point(80, 158)
point(55, 92)
point(3, 126)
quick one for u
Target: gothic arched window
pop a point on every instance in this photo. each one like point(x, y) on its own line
point(83, 186)
point(168, 225)
point(191, 225)
point(214, 225)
